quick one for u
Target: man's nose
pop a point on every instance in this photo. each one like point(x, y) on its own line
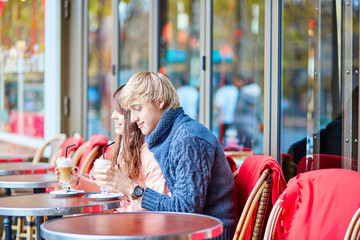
point(133, 117)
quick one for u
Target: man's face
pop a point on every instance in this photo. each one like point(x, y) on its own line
point(146, 115)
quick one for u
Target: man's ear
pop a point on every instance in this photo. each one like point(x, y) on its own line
point(161, 103)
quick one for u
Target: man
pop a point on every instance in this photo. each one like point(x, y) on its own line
point(189, 155)
point(226, 98)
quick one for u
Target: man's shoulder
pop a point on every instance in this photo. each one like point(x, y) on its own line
point(191, 130)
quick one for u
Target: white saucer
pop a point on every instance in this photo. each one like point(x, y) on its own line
point(104, 197)
point(66, 193)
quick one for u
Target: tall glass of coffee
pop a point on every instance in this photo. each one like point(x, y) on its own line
point(100, 163)
point(66, 170)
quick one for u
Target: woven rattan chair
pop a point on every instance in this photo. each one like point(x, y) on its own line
point(93, 149)
point(78, 154)
point(272, 221)
point(353, 231)
point(259, 182)
point(260, 191)
point(68, 148)
point(319, 204)
point(55, 148)
point(90, 158)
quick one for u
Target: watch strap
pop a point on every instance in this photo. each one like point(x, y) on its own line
point(137, 192)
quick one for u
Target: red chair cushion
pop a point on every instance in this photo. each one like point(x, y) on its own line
point(94, 140)
point(319, 204)
point(16, 160)
point(232, 163)
point(249, 173)
point(78, 141)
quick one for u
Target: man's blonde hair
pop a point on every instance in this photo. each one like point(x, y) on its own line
point(149, 87)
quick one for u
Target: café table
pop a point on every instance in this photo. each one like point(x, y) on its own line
point(38, 182)
point(12, 168)
point(10, 157)
point(44, 204)
point(133, 225)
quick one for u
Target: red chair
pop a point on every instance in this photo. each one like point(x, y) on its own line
point(319, 204)
point(232, 163)
point(322, 161)
point(11, 160)
point(77, 141)
point(93, 150)
point(259, 183)
point(108, 152)
point(16, 160)
point(54, 144)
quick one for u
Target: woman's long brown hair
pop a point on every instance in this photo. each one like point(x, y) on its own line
point(132, 142)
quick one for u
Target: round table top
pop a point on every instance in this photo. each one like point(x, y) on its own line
point(45, 204)
point(11, 168)
point(29, 181)
point(136, 225)
point(13, 156)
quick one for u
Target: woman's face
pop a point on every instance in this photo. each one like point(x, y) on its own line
point(119, 122)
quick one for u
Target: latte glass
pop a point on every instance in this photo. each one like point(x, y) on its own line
point(100, 163)
point(66, 170)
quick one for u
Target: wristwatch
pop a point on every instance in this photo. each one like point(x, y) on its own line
point(137, 192)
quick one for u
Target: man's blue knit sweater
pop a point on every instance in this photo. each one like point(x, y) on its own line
point(195, 169)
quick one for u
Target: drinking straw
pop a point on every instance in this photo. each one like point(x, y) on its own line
point(67, 149)
point(106, 147)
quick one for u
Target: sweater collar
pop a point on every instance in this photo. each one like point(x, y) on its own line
point(164, 126)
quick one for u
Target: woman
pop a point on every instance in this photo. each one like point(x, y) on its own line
point(131, 157)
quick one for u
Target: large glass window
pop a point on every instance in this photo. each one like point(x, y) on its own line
point(133, 38)
point(22, 67)
point(179, 50)
point(311, 87)
point(100, 27)
point(238, 72)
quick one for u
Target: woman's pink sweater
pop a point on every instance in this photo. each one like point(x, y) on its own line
point(150, 176)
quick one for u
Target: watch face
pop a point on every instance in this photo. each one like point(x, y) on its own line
point(138, 191)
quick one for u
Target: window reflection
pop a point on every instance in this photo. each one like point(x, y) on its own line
point(99, 68)
point(311, 90)
point(22, 67)
point(238, 63)
point(179, 50)
point(134, 38)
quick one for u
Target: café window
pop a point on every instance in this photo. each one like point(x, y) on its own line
point(22, 67)
point(133, 45)
point(238, 73)
point(179, 50)
point(99, 70)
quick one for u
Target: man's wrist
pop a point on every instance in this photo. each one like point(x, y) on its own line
point(137, 192)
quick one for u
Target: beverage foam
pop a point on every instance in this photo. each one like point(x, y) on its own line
point(64, 162)
point(101, 162)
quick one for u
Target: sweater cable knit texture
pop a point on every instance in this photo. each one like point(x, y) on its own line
point(195, 169)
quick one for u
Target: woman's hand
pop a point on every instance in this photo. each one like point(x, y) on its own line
point(75, 178)
point(115, 179)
